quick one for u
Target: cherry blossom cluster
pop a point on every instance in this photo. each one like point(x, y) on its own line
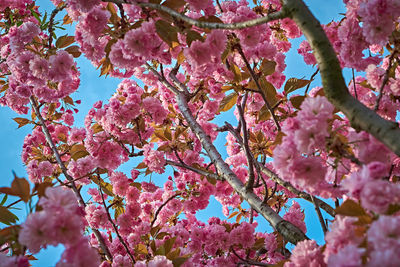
point(59, 222)
point(187, 71)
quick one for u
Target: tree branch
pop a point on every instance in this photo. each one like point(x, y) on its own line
point(162, 206)
point(360, 117)
point(385, 80)
point(274, 177)
point(201, 172)
point(51, 23)
point(255, 79)
point(320, 217)
point(210, 25)
point(65, 172)
point(115, 227)
point(289, 231)
point(249, 156)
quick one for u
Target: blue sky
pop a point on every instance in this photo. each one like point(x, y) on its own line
point(94, 88)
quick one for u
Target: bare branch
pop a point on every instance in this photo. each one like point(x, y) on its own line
point(210, 25)
point(65, 172)
point(162, 206)
point(354, 84)
point(247, 262)
point(289, 231)
point(255, 79)
point(201, 172)
point(273, 176)
point(51, 23)
point(360, 117)
point(115, 227)
point(385, 80)
point(311, 79)
point(250, 182)
point(320, 217)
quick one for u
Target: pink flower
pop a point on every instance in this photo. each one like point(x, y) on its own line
point(306, 253)
point(384, 233)
point(342, 233)
point(307, 171)
point(61, 65)
point(83, 5)
point(296, 216)
point(347, 256)
point(35, 232)
point(80, 254)
point(13, 261)
point(154, 159)
point(59, 199)
point(160, 261)
point(39, 67)
point(377, 195)
point(198, 54)
point(315, 108)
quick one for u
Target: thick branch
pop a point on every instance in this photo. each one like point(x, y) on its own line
point(65, 172)
point(285, 228)
point(335, 88)
point(210, 25)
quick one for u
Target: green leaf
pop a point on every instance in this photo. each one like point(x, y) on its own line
point(293, 84)
point(167, 32)
point(269, 91)
point(168, 244)
point(178, 261)
point(193, 36)
point(297, 100)
point(4, 200)
point(267, 67)
point(228, 102)
point(7, 217)
point(19, 187)
point(21, 121)
point(65, 41)
point(350, 208)
point(74, 50)
point(174, 4)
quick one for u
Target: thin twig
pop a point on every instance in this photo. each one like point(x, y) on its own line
point(51, 23)
point(162, 206)
point(273, 176)
point(250, 182)
point(320, 217)
point(162, 79)
point(255, 79)
point(201, 172)
point(115, 227)
point(65, 172)
point(283, 13)
point(385, 80)
point(311, 79)
point(219, 6)
point(354, 84)
point(248, 262)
